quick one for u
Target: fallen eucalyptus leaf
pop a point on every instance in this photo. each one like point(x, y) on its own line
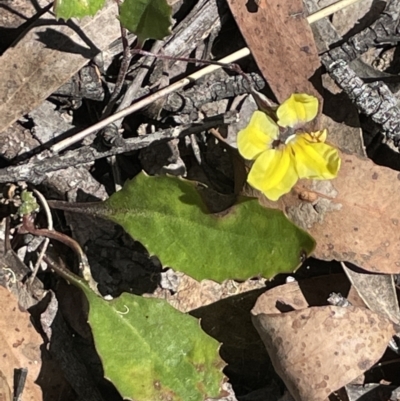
point(378, 291)
point(320, 349)
point(47, 55)
point(5, 392)
point(300, 295)
point(19, 346)
point(268, 27)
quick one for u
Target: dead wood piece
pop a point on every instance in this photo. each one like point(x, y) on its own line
point(135, 91)
point(36, 169)
point(375, 100)
point(85, 84)
point(203, 19)
point(324, 32)
point(210, 91)
point(189, 33)
point(195, 27)
point(385, 26)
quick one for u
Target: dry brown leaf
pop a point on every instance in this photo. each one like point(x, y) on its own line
point(378, 291)
point(282, 44)
point(300, 295)
point(47, 56)
point(320, 349)
point(15, 14)
point(5, 391)
point(362, 13)
point(341, 119)
point(353, 218)
point(191, 294)
point(19, 345)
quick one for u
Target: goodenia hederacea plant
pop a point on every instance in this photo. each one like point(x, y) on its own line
point(149, 350)
point(67, 9)
point(168, 216)
point(147, 19)
point(283, 150)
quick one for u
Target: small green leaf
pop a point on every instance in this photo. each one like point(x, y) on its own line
point(147, 19)
point(168, 216)
point(151, 351)
point(29, 204)
point(67, 9)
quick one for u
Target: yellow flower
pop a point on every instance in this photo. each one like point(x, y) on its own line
point(283, 152)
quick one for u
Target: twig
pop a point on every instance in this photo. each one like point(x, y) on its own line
point(148, 100)
point(46, 209)
point(126, 59)
point(184, 101)
point(46, 242)
point(114, 128)
point(244, 52)
point(375, 100)
point(221, 63)
point(28, 225)
point(132, 91)
point(35, 170)
point(327, 11)
point(387, 25)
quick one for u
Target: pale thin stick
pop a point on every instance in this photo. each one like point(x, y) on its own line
point(183, 82)
point(148, 100)
point(327, 11)
point(46, 241)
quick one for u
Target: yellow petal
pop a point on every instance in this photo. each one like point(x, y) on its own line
point(257, 136)
point(273, 173)
point(315, 160)
point(318, 136)
point(297, 110)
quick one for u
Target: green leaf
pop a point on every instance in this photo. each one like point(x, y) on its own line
point(168, 216)
point(147, 19)
point(29, 204)
point(67, 9)
point(151, 351)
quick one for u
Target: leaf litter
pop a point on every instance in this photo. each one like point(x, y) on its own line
point(19, 345)
point(351, 218)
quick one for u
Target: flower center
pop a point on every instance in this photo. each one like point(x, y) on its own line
point(286, 135)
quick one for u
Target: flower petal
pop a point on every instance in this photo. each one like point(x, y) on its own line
point(257, 136)
point(300, 108)
point(318, 136)
point(315, 160)
point(273, 173)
